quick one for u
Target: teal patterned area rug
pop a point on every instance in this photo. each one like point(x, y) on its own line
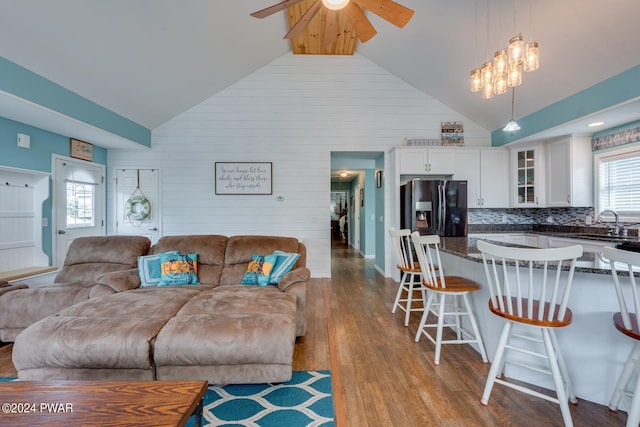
point(306, 400)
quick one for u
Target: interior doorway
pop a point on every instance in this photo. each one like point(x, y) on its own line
point(360, 175)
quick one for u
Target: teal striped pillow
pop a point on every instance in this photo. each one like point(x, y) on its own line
point(149, 269)
point(284, 264)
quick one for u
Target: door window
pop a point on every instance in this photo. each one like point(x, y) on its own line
point(80, 204)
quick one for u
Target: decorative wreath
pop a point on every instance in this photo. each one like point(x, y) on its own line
point(137, 208)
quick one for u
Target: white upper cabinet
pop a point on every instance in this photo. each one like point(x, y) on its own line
point(494, 177)
point(527, 176)
point(468, 168)
point(486, 171)
point(426, 160)
point(569, 172)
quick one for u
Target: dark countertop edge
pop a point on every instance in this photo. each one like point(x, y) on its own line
point(576, 232)
point(459, 246)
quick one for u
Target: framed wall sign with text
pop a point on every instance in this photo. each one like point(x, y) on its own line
point(243, 178)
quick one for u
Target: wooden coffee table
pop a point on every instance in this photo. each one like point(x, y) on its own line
point(100, 403)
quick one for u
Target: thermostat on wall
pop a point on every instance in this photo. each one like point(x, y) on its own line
point(24, 140)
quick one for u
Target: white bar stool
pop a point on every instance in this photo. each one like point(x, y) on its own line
point(530, 287)
point(410, 274)
point(448, 290)
point(626, 321)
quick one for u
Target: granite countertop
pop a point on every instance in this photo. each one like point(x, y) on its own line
point(465, 247)
point(574, 232)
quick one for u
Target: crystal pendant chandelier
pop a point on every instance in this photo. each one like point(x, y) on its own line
point(505, 71)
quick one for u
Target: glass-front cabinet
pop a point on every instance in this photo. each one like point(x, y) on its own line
point(528, 175)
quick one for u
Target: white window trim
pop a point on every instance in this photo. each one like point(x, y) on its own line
point(598, 158)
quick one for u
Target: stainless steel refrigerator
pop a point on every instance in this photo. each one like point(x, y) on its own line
point(434, 207)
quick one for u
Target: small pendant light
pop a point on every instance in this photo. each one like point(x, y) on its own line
point(512, 125)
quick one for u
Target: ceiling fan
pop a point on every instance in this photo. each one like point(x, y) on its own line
point(388, 10)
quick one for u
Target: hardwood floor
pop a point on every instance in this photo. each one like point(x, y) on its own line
point(385, 378)
point(382, 377)
point(6, 366)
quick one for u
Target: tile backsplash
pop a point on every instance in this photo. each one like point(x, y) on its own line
point(546, 216)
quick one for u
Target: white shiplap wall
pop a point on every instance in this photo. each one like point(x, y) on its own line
point(293, 112)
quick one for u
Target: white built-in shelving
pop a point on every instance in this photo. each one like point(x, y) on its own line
point(22, 193)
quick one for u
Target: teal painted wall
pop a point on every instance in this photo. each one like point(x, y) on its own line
point(368, 214)
point(379, 217)
point(30, 86)
point(613, 91)
point(43, 145)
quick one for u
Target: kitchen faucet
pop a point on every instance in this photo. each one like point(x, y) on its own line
point(616, 228)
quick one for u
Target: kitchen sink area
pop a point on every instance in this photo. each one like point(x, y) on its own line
point(592, 240)
point(629, 246)
point(608, 237)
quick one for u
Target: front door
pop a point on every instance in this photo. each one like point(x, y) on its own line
point(136, 184)
point(78, 200)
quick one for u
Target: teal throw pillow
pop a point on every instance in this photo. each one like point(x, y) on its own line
point(259, 270)
point(284, 264)
point(149, 269)
point(178, 269)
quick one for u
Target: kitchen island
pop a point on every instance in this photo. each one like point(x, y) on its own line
point(593, 349)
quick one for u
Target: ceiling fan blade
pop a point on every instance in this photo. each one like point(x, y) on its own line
point(330, 34)
point(304, 20)
point(275, 8)
point(359, 22)
point(388, 10)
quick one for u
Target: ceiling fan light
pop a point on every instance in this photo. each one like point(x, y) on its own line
point(512, 126)
point(335, 4)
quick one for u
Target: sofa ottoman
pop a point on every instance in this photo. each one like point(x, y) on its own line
point(229, 335)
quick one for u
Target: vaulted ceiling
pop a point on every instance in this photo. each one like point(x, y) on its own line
point(149, 60)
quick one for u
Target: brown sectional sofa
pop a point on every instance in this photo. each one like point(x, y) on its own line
point(108, 259)
point(218, 330)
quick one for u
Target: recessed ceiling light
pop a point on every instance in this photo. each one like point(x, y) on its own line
point(343, 174)
point(595, 124)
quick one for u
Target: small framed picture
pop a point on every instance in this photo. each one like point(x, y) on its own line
point(81, 150)
point(378, 179)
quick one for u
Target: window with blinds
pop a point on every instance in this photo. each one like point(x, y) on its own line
point(618, 186)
